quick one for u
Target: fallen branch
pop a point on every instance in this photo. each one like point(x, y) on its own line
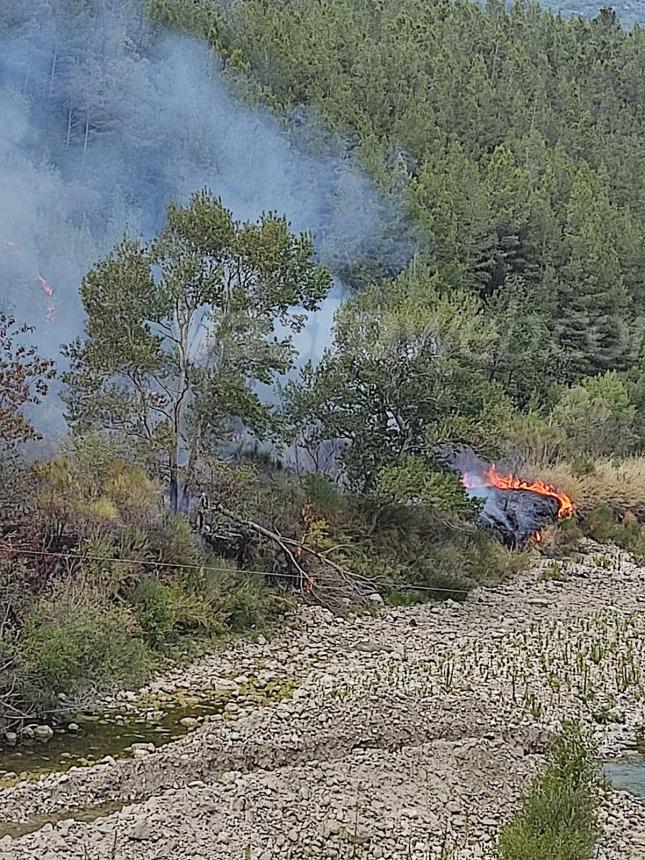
point(275, 538)
point(356, 582)
point(343, 572)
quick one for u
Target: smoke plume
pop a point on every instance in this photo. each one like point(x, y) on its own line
point(104, 119)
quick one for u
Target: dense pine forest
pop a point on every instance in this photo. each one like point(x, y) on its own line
point(482, 213)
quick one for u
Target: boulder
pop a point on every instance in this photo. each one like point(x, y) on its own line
point(43, 733)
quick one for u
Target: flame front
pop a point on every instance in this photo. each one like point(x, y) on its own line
point(492, 478)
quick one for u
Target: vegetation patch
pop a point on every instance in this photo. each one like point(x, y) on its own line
point(558, 818)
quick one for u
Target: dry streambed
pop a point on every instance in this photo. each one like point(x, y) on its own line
point(392, 736)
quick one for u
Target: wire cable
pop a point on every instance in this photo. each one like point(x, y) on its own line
point(204, 567)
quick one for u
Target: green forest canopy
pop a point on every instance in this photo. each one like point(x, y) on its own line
point(513, 140)
point(514, 137)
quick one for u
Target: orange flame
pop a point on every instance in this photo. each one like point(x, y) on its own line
point(51, 308)
point(492, 478)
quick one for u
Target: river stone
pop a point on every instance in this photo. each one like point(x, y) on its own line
point(188, 722)
point(141, 831)
point(43, 733)
point(11, 738)
point(223, 685)
point(73, 727)
point(142, 747)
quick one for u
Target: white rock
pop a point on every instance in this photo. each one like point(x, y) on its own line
point(43, 733)
point(141, 831)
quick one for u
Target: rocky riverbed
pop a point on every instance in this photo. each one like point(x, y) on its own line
point(394, 736)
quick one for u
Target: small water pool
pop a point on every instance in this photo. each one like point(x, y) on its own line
point(112, 733)
point(98, 736)
point(628, 774)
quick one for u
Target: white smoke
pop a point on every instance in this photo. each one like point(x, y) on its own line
point(105, 119)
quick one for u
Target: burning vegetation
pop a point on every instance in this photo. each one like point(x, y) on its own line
point(516, 509)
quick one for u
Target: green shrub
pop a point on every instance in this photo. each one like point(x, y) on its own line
point(247, 604)
point(597, 416)
point(413, 480)
point(153, 602)
point(326, 497)
point(602, 525)
point(558, 818)
point(175, 541)
point(198, 594)
point(67, 647)
point(530, 438)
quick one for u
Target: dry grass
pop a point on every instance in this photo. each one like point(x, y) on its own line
point(619, 484)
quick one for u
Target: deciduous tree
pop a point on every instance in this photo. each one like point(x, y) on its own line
point(180, 329)
point(24, 376)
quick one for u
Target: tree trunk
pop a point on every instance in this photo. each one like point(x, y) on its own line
point(52, 73)
point(173, 484)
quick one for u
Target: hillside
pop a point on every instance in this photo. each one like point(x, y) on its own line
point(511, 137)
point(322, 358)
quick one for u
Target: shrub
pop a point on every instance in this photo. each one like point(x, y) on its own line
point(413, 482)
point(325, 496)
point(87, 489)
point(154, 608)
point(198, 595)
point(597, 416)
point(174, 541)
point(601, 524)
point(532, 439)
point(557, 820)
point(621, 485)
point(70, 647)
point(248, 604)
